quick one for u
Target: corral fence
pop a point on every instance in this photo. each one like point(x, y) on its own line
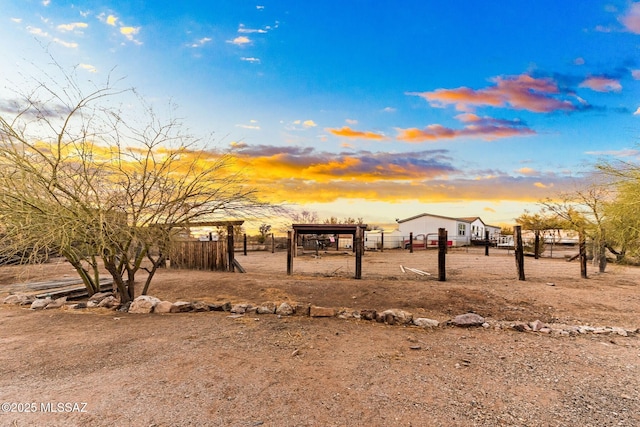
point(199, 255)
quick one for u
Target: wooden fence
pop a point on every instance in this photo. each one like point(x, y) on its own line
point(198, 255)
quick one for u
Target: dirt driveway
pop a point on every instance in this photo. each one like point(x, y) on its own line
point(215, 369)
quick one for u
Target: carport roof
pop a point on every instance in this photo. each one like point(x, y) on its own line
point(328, 228)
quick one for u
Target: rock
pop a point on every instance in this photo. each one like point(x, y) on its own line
point(302, 309)
point(284, 309)
point(163, 307)
point(57, 303)
point(109, 302)
point(423, 322)
point(348, 314)
point(536, 325)
point(18, 299)
point(143, 304)
point(239, 308)
point(394, 316)
point(225, 306)
point(467, 320)
point(199, 306)
point(181, 307)
point(125, 307)
point(521, 327)
point(41, 303)
point(266, 308)
point(316, 311)
point(99, 296)
point(368, 314)
point(79, 305)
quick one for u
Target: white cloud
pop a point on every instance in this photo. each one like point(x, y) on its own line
point(389, 110)
point(635, 74)
point(37, 31)
point(251, 59)
point(240, 40)
point(201, 42)
point(46, 3)
point(88, 67)
point(637, 112)
point(351, 122)
point(71, 45)
point(72, 26)
point(244, 30)
point(17, 20)
point(130, 33)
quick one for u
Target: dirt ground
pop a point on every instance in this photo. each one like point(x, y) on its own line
point(97, 367)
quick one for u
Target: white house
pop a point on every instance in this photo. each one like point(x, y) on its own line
point(460, 231)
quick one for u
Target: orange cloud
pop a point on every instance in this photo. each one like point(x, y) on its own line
point(521, 92)
point(477, 127)
point(347, 132)
point(602, 84)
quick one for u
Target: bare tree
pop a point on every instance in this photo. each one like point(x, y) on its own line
point(584, 211)
point(83, 178)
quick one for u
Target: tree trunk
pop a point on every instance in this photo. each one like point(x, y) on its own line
point(602, 256)
point(121, 286)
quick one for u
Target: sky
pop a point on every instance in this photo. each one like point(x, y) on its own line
point(376, 110)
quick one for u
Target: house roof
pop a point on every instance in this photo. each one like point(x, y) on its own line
point(467, 220)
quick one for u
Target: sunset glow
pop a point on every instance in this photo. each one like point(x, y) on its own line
point(356, 110)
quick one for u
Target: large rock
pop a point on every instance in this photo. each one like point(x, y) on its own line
point(181, 307)
point(467, 320)
point(143, 304)
point(284, 309)
point(41, 303)
point(266, 308)
point(200, 306)
point(163, 307)
point(423, 322)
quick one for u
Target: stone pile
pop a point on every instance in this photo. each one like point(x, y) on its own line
point(145, 304)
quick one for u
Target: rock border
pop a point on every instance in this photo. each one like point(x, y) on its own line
point(146, 304)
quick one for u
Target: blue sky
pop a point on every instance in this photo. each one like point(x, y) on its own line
point(379, 110)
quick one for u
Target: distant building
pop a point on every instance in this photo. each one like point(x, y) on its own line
point(460, 231)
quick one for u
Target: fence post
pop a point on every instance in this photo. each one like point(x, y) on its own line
point(382, 241)
point(244, 244)
point(273, 244)
point(442, 254)
point(411, 242)
point(519, 251)
point(289, 252)
point(358, 247)
point(230, 248)
point(486, 243)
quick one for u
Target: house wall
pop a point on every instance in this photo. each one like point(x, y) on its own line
point(477, 229)
point(458, 232)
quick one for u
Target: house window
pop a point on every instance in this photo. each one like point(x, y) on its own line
point(462, 229)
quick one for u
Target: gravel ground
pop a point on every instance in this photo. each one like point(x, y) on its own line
point(195, 369)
